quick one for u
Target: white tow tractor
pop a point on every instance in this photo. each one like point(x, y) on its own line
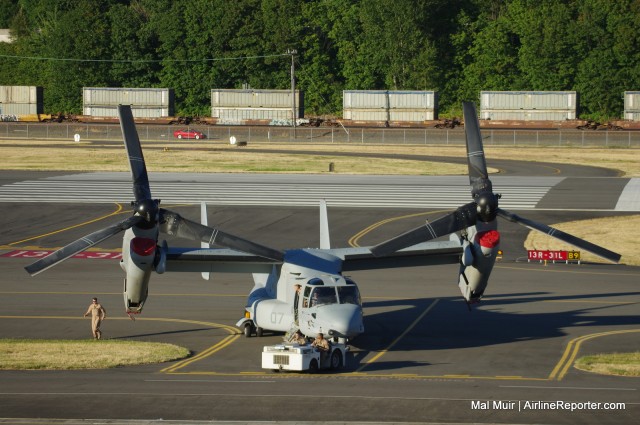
point(302, 358)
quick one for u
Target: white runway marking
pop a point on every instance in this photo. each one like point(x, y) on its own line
point(257, 190)
point(630, 198)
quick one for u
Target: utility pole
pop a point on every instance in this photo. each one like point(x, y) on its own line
point(293, 52)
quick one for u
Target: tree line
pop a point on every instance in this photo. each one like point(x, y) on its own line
point(455, 47)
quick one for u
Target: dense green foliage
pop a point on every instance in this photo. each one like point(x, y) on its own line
point(456, 47)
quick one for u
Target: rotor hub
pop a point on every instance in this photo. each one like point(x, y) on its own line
point(147, 208)
point(487, 206)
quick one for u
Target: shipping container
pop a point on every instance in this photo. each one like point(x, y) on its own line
point(411, 115)
point(631, 102)
point(549, 115)
point(386, 105)
point(138, 112)
point(114, 96)
point(365, 99)
point(241, 114)
point(413, 100)
point(366, 114)
point(632, 116)
point(376, 99)
point(19, 109)
point(528, 100)
point(528, 105)
point(232, 98)
point(21, 94)
point(20, 100)
point(388, 115)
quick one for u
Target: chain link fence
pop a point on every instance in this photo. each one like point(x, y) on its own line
point(328, 135)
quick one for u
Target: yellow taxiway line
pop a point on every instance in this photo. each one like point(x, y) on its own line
point(571, 352)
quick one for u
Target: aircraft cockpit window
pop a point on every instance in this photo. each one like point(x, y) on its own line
point(323, 295)
point(349, 295)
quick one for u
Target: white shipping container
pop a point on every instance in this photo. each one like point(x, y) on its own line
point(631, 101)
point(20, 94)
point(112, 112)
point(114, 96)
point(365, 114)
point(412, 100)
point(239, 114)
point(398, 99)
point(19, 109)
point(230, 98)
point(410, 115)
point(527, 115)
point(365, 99)
point(388, 105)
point(632, 116)
point(528, 100)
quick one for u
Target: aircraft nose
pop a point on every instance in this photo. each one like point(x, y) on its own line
point(343, 320)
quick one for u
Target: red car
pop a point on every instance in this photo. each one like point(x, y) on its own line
point(188, 134)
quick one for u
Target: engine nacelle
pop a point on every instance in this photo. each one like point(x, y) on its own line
point(478, 259)
point(138, 254)
point(272, 314)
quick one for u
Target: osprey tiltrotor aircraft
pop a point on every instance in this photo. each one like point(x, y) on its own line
point(304, 289)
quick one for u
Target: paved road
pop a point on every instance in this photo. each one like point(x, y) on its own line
point(423, 358)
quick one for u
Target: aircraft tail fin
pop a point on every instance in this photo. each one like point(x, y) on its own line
point(325, 242)
point(204, 221)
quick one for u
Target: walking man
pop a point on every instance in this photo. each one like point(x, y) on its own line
point(98, 314)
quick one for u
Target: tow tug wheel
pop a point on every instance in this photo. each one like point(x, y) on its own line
point(259, 331)
point(336, 360)
point(313, 366)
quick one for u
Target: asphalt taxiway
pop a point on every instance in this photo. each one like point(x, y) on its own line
point(423, 358)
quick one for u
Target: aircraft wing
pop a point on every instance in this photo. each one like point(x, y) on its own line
point(222, 260)
point(216, 260)
point(423, 254)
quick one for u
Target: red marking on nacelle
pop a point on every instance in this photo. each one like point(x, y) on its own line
point(489, 239)
point(143, 246)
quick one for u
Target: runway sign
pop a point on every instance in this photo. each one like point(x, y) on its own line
point(545, 255)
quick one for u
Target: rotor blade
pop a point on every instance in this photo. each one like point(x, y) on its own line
point(176, 225)
point(80, 245)
point(558, 234)
point(139, 175)
point(475, 152)
point(462, 218)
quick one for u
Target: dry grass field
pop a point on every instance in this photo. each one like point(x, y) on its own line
point(207, 156)
point(621, 364)
point(26, 354)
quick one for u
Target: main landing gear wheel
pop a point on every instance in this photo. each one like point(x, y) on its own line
point(248, 330)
